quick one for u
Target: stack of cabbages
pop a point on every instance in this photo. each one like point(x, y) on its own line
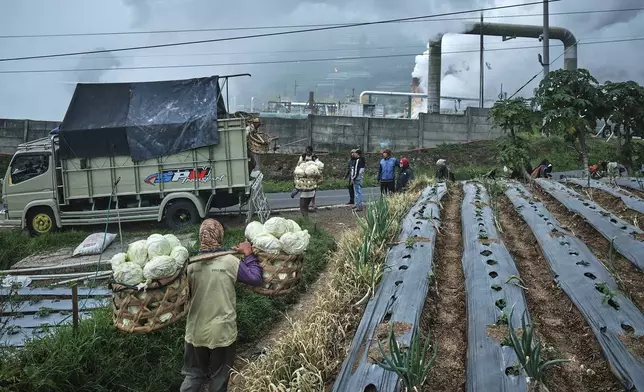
point(160, 256)
point(278, 235)
point(311, 169)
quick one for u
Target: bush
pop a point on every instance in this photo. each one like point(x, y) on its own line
point(100, 358)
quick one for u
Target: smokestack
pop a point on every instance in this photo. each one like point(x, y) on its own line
point(434, 77)
point(415, 84)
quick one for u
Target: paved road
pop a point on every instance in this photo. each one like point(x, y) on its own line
point(322, 198)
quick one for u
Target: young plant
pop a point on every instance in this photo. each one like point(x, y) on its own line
point(409, 363)
point(513, 279)
point(608, 294)
point(376, 223)
point(528, 351)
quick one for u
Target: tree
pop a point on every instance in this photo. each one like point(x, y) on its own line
point(625, 106)
point(571, 102)
point(514, 117)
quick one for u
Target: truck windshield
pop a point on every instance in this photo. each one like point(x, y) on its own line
point(26, 167)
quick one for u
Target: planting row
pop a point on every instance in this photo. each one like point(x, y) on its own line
point(631, 201)
point(499, 356)
point(398, 302)
point(628, 239)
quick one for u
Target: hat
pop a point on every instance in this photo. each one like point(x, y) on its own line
point(256, 120)
point(354, 151)
point(358, 151)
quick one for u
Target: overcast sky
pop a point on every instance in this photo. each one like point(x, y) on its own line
point(46, 95)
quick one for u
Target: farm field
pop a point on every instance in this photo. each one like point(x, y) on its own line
point(486, 286)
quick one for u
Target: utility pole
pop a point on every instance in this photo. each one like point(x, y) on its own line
point(295, 91)
point(482, 65)
point(546, 40)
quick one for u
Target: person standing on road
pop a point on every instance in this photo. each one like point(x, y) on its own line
point(211, 327)
point(357, 175)
point(387, 172)
point(352, 161)
point(307, 156)
point(404, 176)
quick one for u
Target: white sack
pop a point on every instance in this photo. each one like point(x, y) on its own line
point(94, 244)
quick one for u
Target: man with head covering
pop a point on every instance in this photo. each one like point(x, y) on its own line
point(347, 176)
point(211, 327)
point(253, 129)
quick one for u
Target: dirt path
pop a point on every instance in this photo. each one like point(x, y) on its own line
point(564, 332)
point(444, 311)
point(629, 278)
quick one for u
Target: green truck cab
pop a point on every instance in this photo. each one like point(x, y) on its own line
point(131, 161)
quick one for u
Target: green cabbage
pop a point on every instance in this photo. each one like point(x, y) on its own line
point(295, 243)
point(173, 240)
point(277, 226)
point(137, 252)
point(158, 246)
point(129, 274)
point(180, 255)
point(268, 243)
point(254, 229)
point(118, 259)
point(159, 267)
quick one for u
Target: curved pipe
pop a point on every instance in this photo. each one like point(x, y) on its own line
point(498, 30)
point(403, 94)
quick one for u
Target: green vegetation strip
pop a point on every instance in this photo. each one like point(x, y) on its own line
point(100, 359)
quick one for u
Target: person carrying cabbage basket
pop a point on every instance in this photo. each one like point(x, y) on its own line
point(211, 327)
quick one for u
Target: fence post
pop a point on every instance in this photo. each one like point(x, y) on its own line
point(468, 113)
point(310, 118)
point(25, 131)
point(75, 307)
point(421, 129)
point(365, 126)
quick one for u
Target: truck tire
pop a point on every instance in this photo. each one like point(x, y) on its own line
point(41, 220)
point(180, 214)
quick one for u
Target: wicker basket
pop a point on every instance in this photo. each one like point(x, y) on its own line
point(259, 142)
point(163, 303)
point(282, 272)
point(307, 183)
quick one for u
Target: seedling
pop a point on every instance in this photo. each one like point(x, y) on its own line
point(513, 280)
point(409, 243)
point(409, 363)
point(528, 351)
point(44, 312)
point(608, 294)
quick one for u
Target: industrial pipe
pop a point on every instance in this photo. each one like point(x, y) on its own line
point(498, 30)
point(403, 94)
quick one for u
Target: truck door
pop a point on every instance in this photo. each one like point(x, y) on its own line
point(29, 178)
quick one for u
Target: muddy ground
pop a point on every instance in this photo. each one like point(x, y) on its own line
point(444, 313)
point(563, 330)
point(612, 204)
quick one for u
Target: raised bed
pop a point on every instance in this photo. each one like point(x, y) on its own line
point(398, 300)
point(488, 265)
point(614, 319)
point(629, 240)
point(631, 201)
point(633, 183)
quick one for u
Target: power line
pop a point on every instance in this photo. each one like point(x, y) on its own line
point(247, 28)
point(541, 71)
point(279, 33)
point(268, 62)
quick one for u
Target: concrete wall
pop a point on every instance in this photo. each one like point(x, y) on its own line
point(14, 132)
point(335, 133)
point(327, 133)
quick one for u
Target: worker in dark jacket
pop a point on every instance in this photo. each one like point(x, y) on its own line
point(404, 176)
point(387, 172)
point(352, 161)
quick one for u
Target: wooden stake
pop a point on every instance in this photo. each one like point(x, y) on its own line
point(75, 307)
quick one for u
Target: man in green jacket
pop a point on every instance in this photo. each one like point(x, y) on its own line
point(211, 328)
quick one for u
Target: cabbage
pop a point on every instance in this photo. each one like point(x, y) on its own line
point(312, 171)
point(137, 252)
point(180, 255)
point(295, 243)
point(267, 243)
point(276, 226)
point(299, 171)
point(294, 227)
point(253, 229)
point(118, 259)
point(173, 240)
point(158, 246)
point(319, 164)
point(160, 267)
point(128, 273)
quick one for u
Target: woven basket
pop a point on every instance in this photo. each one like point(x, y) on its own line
point(163, 303)
point(259, 142)
point(282, 273)
point(307, 183)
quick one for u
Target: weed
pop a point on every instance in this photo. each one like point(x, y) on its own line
point(528, 351)
point(409, 363)
point(512, 279)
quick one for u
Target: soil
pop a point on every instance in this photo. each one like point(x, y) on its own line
point(634, 343)
point(563, 330)
point(612, 204)
point(444, 311)
point(382, 336)
point(629, 279)
point(500, 332)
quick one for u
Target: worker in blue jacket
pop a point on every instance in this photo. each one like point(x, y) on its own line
point(387, 172)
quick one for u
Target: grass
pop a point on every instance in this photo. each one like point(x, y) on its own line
point(309, 352)
point(16, 245)
point(100, 359)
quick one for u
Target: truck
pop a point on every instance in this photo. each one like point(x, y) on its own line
point(163, 151)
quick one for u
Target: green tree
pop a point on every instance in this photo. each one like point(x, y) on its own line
point(515, 117)
point(571, 102)
point(625, 107)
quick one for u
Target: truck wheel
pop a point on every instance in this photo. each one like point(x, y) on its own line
point(181, 214)
point(41, 220)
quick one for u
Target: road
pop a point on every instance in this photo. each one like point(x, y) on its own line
point(278, 201)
